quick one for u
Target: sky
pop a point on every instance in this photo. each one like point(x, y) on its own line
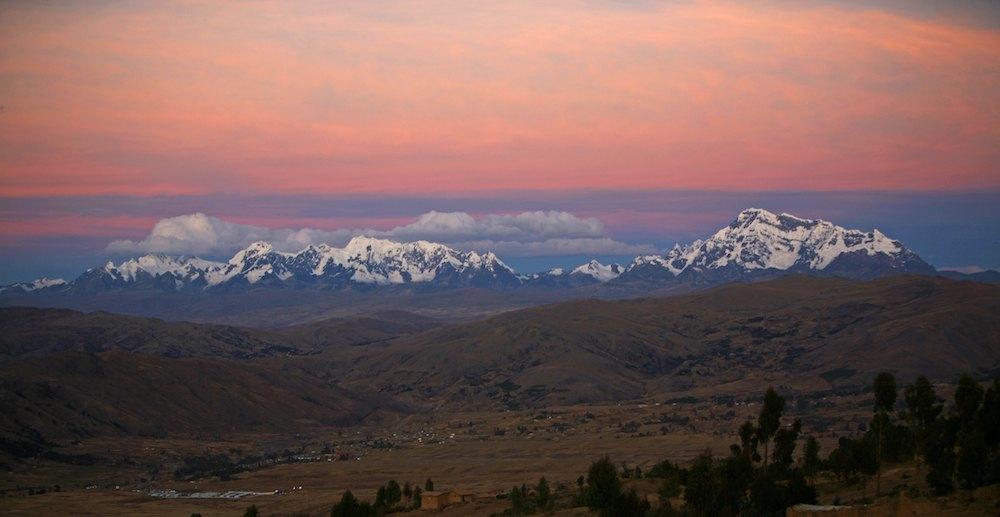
point(551, 132)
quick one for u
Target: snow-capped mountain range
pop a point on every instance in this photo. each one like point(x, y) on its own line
point(364, 260)
point(757, 242)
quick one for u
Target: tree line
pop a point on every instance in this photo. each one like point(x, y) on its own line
point(390, 498)
point(762, 474)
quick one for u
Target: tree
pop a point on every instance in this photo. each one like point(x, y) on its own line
point(665, 509)
point(864, 460)
point(389, 495)
point(251, 511)
point(922, 411)
point(989, 422)
point(885, 392)
point(885, 400)
point(429, 485)
point(898, 444)
point(734, 474)
point(663, 469)
point(798, 490)
point(748, 440)
point(968, 395)
point(810, 457)
point(544, 493)
point(407, 491)
point(393, 493)
point(853, 459)
point(784, 444)
point(603, 484)
point(770, 419)
point(841, 460)
point(701, 496)
point(941, 460)
point(347, 505)
point(628, 503)
point(970, 467)
point(416, 496)
point(971, 460)
point(350, 507)
point(670, 488)
point(766, 496)
point(520, 503)
point(990, 418)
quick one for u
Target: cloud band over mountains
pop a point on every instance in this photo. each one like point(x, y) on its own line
point(527, 234)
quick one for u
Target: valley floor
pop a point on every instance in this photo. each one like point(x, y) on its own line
point(480, 453)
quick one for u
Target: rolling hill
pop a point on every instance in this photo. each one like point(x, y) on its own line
point(808, 333)
point(70, 395)
point(67, 374)
point(37, 332)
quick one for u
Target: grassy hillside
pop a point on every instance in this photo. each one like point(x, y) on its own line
point(70, 395)
point(37, 332)
point(67, 374)
point(809, 333)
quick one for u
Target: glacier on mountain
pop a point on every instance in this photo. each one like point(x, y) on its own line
point(757, 241)
point(362, 260)
point(761, 240)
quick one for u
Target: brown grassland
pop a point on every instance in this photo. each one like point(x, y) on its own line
point(483, 453)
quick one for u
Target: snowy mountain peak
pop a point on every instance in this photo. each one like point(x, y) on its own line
point(363, 260)
point(599, 271)
point(757, 218)
point(44, 282)
point(760, 240)
point(254, 250)
point(751, 213)
point(156, 265)
point(34, 285)
point(314, 249)
point(365, 244)
point(488, 261)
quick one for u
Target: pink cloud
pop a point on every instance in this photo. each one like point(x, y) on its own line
point(402, 98)
point(113, 226)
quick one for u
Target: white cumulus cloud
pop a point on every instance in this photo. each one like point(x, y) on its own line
point(558, 247)
point(527, 226)
point(539, 233)
point(200, 234)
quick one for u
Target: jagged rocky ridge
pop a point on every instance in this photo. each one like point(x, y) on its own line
point(757, 243)
point(760, 242)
